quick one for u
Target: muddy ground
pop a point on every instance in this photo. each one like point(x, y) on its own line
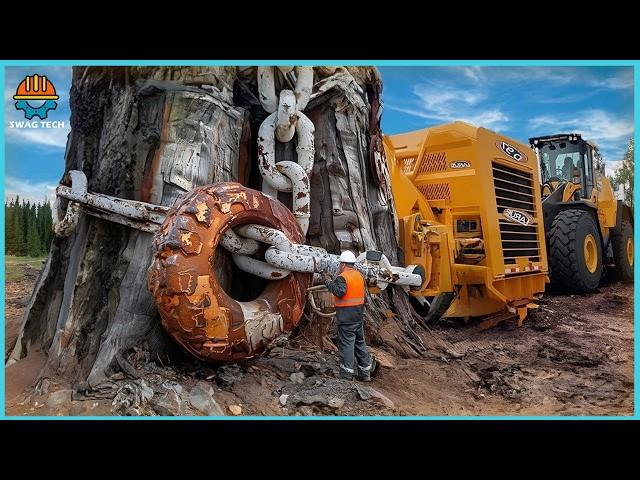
point(573, 356)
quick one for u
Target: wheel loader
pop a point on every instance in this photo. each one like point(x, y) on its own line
point(587, 230)
point(470, 220)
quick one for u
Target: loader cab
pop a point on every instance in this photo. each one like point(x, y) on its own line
point(566, 158)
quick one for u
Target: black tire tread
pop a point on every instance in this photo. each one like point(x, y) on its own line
point(619, 244)
point(562, 251)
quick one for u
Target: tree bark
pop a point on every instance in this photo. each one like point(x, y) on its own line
point(154, 133)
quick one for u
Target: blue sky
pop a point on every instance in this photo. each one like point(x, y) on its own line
point(520, 102)
point(517, 101)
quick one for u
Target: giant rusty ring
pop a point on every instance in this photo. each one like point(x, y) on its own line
point(194, 308)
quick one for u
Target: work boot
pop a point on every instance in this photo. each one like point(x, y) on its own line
point(345, 374)
point(365, 375)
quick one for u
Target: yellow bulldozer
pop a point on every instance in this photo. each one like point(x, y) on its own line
point(470, 217)
point(587, 229)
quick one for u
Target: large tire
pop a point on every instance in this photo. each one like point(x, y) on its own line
point(438, 306)
point(194, 308)
point(571, 266)
point(622, 243)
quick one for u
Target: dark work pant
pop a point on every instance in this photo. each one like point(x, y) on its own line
point(351, 341)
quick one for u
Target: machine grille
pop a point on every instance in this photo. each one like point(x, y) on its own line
point(407, 164)
point(436, 191)
point(514, 189)
point(433, 162)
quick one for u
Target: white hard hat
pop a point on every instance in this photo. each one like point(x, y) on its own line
point(347, 257)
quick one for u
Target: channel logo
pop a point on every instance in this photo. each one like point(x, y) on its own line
point(36, 96)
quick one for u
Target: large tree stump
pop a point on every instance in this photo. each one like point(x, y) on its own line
point(154, 133)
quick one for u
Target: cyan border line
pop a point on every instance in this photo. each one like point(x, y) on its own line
point(380, 63)
point(322, 418)
point(2, 395)
point(318, 62)
point(636, 269)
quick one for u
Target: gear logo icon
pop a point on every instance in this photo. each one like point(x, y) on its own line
point(35, 96)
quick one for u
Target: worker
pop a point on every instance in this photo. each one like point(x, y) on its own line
point(348, 290)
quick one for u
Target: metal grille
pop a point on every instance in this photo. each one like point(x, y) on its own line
point(433, 162)
point(436, 191)
point(514, 189)
point(407, 164)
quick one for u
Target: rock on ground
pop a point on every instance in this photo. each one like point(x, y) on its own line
point(201, 398)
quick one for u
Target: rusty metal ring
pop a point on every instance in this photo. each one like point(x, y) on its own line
point(194, 308)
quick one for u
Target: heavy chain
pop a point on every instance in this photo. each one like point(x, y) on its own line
point(283, 256)
point(284, 122)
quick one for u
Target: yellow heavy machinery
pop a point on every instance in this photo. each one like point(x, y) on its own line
point(587, 229)
point(470, 215)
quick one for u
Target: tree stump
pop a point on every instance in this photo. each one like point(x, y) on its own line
point(154, 133)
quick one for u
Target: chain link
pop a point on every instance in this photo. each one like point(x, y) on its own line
point(285, 121)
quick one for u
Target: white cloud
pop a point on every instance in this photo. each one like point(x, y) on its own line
point(556, 75)
point(49, 137)
point(444, 104)
point(619, 82)
point(440, 99)
point(609, 132)
point(611, 167)
point(33, 192)
point(570, 98)
point(475, 73)
point(622, 79)
point(597, 125)
point(491, 119)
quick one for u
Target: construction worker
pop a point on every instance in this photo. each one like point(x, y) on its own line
point(348, 290)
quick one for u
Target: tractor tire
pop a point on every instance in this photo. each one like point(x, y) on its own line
point(575, 251)
point(439, 305)
point(622, 243)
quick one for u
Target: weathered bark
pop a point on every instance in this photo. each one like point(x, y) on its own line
point(151, 134)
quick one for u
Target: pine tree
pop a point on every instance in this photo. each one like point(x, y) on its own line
point(19, 229)
point(9, 235)
point(28, 228)
point(26, 208)
point(34, 248)
point(47, 226)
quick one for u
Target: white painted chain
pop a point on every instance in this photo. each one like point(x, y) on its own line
point(285, 120)
point(283, 256)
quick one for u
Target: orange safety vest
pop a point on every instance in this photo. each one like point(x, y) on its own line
point(355, 290)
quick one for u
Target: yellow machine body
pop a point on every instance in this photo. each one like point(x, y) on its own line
point(470, 214)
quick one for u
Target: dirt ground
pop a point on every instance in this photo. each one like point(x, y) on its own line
point(572, 356)
point(19, 282)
